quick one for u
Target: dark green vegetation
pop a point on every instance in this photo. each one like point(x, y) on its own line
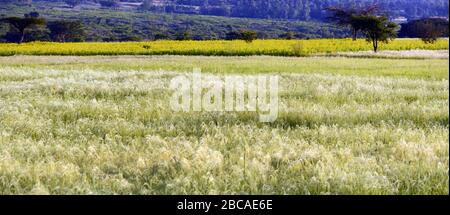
point(266, 9)
point(31, 27)
point(294, 9)
point(19, 26)
point(376, 28)
point(428, 29)
point(270, 9)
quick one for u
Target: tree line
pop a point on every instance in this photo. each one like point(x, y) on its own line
point(32, 27)
point(428, 29)
point(374, 24)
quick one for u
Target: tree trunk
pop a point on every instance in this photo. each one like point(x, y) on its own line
point(375, 44)
point(354, 32)
point(22, 37)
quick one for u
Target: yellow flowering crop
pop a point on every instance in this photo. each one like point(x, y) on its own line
point(216, 47)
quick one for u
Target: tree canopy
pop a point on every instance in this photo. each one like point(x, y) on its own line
point(377, 29)
point(64, 31)
point(21, 25)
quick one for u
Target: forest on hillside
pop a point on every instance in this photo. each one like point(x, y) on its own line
point(310, 9)
point(277, 9)
point(105, 24)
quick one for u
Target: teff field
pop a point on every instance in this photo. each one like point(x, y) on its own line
point(103, 125)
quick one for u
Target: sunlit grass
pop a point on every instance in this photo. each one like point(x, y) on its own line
point(425, 69)
point(103, 125)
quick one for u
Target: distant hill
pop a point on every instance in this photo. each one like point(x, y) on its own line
point(282, 9)
point(125, 23)
point(299, 9)
point(127, 20)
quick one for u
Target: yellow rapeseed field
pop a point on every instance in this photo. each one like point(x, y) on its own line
point(216, 47)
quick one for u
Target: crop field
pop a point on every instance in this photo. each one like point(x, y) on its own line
point(103, 125)
point(215, 47)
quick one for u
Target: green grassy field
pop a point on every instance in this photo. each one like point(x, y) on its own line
point(103, 125)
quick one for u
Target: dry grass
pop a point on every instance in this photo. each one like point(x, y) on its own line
point(78, 126)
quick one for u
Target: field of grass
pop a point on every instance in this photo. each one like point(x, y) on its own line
point(214, 47)
point(103, 125)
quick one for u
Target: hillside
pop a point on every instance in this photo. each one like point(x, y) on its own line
point(125, 24)
point(280, 9)
point(297, 9)
point(131, 20)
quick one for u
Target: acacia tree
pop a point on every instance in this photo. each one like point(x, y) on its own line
point(242, 34)
point(428, 30)
point(248, 35)
point(22, 25)
point(62, 31)
point(377, 29)
point(346, 16)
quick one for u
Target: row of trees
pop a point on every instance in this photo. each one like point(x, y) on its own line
point(32, 24)
point(428, 29)
point(377, 28)
point(241, 34)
